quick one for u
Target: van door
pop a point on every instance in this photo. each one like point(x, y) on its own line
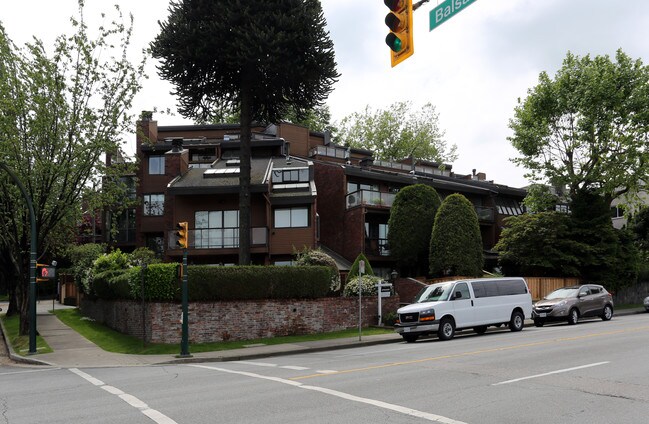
point(463, 310)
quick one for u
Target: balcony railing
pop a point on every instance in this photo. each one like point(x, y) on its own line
point(370, 198)
point(377, 246)
point(220, 238)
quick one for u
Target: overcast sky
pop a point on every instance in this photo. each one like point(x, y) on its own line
point(473, 67)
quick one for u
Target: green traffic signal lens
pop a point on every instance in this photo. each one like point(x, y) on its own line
point(394, 42)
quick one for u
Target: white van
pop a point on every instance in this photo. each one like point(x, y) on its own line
point(445, 307)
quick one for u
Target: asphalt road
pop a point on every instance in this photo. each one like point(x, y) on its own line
point(594, 372)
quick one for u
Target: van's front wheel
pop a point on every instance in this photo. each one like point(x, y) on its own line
point(517, 322)
point(446, 329)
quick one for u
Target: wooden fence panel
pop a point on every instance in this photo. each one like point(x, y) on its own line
point(541, 286)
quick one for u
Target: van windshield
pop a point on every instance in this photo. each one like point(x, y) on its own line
point(434, 292)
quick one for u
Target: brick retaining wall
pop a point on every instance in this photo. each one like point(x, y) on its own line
point(243, 320)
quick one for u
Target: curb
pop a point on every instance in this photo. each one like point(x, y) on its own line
point(13, 355)
point(299, 350)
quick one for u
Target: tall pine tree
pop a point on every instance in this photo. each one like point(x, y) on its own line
point(258, 57)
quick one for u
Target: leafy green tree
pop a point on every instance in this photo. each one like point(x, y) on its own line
point(606, 255)
point(410, 224)
point(587, 127)
point(455, 241)
point(539, 199)
point(257, 57)
point(638, 225)
point(538, 245)
point(82, 258)
point(353, 271)
point(59, 113)
point(398, 132)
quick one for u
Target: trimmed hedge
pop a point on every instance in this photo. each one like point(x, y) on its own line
point(257, 282)
point(210, 283)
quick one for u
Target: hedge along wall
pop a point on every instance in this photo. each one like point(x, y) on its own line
point(236, 320)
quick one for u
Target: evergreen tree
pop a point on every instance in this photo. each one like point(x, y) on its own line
point(455, 242)
point(411, 221)
point(258, 57)
point(353, 271)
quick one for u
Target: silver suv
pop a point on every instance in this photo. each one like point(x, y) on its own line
point(572, 303)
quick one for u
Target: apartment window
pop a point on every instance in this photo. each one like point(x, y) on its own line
point(216, 229)
point(154, 204)
point(353, 187)
point(292, 217)
point(156, 165)
point(617, 212)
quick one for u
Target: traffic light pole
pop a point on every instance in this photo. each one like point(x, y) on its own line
point(184, 343)
point(32, 260)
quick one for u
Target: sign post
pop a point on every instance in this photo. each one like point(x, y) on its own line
point(361, 271)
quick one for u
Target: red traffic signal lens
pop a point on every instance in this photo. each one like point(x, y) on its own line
point(394, 4)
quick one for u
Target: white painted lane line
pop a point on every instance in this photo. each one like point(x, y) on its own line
point(155, 416)
point(551, 373)
point(292, 367)
point(377, 403)
point(326, 371)
point(259, 364)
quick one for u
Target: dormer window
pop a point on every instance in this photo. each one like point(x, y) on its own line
point(290, 175)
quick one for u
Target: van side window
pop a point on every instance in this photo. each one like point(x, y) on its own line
point(491, 288)
point(478, 289)
point(464, 289)
point(507, 288)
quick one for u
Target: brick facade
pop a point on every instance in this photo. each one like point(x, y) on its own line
point(242, 320)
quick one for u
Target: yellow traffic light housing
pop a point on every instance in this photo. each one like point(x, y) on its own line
point(400, 39)
point(182, 234)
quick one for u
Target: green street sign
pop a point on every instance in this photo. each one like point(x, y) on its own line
point(445, 10)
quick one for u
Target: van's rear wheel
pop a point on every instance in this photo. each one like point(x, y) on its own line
point(517, 321)
point(410, 338)
point(446, 329)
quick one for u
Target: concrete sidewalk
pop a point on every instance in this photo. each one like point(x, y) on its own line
point(72, 350)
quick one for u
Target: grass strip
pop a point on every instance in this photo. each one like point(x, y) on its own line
point(20, 344)
point(114, 341)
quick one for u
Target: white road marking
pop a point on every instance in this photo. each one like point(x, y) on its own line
point(551, 372)
point(377, 403)
point(292, 367)
point(155, 416)
point(286, 367)
point(259, 364)
point(326, 371)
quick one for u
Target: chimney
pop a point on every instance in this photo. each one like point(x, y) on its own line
point(177, 159)
point(147, 130)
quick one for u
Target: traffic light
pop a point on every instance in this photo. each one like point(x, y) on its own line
point(181, 235)
point(399, 20)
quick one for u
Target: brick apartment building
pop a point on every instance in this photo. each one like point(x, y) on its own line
point(305, 192)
